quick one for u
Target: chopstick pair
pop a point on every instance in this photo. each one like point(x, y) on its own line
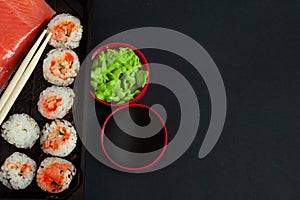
point(22, 75)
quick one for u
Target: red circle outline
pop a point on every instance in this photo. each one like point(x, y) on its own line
point(145, 66)
point(134, 168)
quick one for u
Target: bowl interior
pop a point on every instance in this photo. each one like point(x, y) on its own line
point(139, 149)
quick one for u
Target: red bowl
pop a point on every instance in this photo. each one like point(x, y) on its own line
point(145, 67)
point(141, 167)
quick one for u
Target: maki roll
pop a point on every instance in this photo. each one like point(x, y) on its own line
point(55, 102)
point(66, 31)
point(61, 67)
point(55, 174)
point(18, 171)
point(20, 130)
point(58, 138)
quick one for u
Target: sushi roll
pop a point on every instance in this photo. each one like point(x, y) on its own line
point(55, 102)
point(66, 31)
point(18, 171)
point(58, 138)
point(60, 67)
point(55, 174)
point(20, 130)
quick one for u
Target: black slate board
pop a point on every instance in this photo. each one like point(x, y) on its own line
point(256, 46)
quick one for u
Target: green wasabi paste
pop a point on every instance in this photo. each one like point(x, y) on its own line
point(116, 75)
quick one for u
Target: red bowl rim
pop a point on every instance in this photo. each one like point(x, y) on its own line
point(143, 61)
point(142, 167)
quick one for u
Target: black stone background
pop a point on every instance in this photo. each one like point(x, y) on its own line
point(256, 46)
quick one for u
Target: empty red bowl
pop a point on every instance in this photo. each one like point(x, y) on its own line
point(145, 66)
point(109, 127)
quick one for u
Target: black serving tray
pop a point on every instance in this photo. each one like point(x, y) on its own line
point(27, 103)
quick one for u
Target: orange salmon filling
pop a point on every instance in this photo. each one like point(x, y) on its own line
point(52, 103)
point(62, 65)
point(57, 138)
point(53, 176)
point(23, 168)
point(62, 31)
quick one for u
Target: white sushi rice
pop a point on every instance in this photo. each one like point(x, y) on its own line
point(67, 174)
point(67, 96)
point(74, 37)
point(20, 130)
point(11, 174)
point(64, 149)
point(56, 54)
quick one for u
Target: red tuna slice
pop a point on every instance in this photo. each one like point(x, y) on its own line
point(20, 22)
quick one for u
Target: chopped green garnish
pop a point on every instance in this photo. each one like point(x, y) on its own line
point(55, 183)
point(117, 76)
point(61, 132)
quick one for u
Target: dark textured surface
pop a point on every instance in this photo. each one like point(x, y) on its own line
point(256, 46)
point(27, 103)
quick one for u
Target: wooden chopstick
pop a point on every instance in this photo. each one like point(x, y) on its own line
point(20, 71)
point(23, 79)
